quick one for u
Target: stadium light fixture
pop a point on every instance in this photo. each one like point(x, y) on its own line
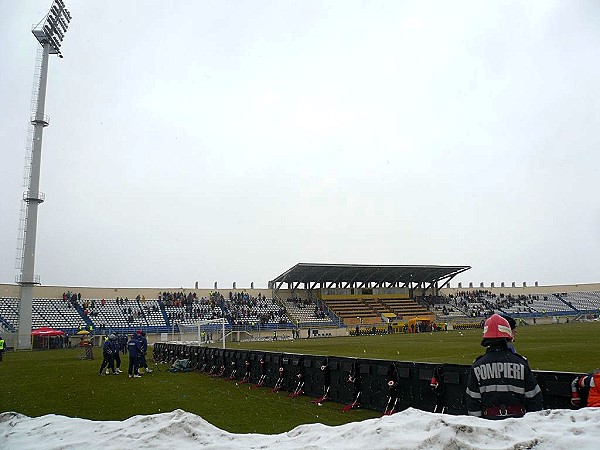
point(53, 27)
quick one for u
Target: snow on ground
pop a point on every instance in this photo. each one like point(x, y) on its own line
point(410, 429)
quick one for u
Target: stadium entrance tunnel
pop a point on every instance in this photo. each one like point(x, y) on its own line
point(379, 385)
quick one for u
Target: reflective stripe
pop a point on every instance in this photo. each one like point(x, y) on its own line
point(496, 412)
point(504, 388)
point(533, 392)
point(475, 413)
point(473, 394)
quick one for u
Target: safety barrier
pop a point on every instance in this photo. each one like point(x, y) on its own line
point(377, 383)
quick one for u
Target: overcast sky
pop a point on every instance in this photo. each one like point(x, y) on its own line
point(229, 140)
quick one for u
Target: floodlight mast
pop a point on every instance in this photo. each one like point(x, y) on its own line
point(50, 33)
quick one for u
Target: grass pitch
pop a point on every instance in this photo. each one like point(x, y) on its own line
point(566, 347)
point(57, 382)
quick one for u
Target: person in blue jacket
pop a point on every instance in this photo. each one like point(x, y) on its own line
point(108, 361)
point(144, 345)
point(134, 348)
point(114, 339)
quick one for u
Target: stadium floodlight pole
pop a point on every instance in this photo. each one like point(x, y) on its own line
point(49, 32)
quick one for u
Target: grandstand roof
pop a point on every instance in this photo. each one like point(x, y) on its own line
point(358, 275)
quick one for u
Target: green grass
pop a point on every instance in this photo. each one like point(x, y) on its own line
point(561, 347)
point(58, 382)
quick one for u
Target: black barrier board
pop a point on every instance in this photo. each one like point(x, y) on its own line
point(413, 379)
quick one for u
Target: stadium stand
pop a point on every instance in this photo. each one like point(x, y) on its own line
point(116, 314)
point(539, 304)
point(155, 316)
point(446, 310)
point(189, 309)
point(9, 313)
point(367, 307)
point(243, 309)
point(304, 312)
point(322, 307)
point(351, 310)
point(55, 313)
point(481, 303)
point(581, 301)
point(405, 307)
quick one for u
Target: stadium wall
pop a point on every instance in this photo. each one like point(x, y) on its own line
point(13, 290)
point(515, 291)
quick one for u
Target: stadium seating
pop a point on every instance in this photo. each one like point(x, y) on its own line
point(243, 310)
point(448, 311)
point(369, 309)
point(112, 315)
point(192, 313)
point(582, 301)
point(404, 307)
point(352, 309)
point(306, 313)
point(483, 303)
point(55, 313)
point(153, 313)
point(9, 313)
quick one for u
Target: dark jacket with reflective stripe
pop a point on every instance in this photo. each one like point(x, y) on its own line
point(501, 378)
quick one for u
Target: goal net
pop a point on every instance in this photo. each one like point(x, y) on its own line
point(204, 332)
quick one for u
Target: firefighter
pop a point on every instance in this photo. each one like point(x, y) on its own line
point(500, 383)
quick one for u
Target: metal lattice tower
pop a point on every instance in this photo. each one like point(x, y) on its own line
point(49, 32)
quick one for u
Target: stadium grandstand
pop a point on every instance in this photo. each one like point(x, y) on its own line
point(330, 299)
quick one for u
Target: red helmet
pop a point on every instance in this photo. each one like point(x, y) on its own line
point(497, 327)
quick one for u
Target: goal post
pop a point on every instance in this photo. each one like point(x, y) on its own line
point(205, 330)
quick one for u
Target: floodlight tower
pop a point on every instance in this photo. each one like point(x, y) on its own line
point(49, 32)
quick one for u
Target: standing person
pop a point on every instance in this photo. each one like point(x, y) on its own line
point(108, 361)
point(500, 383)
point(144, 350)
point(134, 350)
point(123, 343)
point(1, 348)
point(586, 390)
point(114, 340)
